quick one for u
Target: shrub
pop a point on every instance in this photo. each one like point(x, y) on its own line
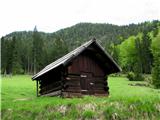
point(131, 76)
point(117, 75)
point(148, 78)
point(135, 76)
point(139, 77)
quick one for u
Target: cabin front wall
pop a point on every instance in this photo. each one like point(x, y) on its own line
point(85, 76)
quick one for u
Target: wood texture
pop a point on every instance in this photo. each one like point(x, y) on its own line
point(84, 75)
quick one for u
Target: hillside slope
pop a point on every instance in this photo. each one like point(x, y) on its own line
point(54, 45)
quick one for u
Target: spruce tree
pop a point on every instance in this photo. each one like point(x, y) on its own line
point(16, 60)
point(156, 63)
point(3, 55)
point(37, 51)
point(147, 55)
point(9, 56)
point(58, 50)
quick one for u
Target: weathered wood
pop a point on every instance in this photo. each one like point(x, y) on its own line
point(71, 94)
point(72, 91)
point(101, 95)
point(83, 76)
point(55, 93)
point(100, 92)
point(80, 72)
point(54, 84)
point(52, 90)
point(52, 87)
point(37, 91)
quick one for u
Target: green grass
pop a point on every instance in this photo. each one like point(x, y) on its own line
point(19, 102)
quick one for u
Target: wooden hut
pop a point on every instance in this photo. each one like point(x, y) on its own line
point(83, 71)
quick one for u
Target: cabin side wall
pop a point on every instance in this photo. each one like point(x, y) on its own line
point(52, 82)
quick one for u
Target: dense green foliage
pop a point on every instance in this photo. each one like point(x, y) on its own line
point(28, 52)
point(127, 100)
point(156, 64)
point(135, 53)
point(135, 76)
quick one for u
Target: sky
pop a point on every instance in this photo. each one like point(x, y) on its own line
point(53, 15)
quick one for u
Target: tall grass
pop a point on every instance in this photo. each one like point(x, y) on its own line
point(19, 102)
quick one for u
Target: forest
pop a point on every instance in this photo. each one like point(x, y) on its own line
point(135, 47)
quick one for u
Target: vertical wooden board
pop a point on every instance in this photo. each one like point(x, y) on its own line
point(81, 62)
point(74, 67)
point(37, 88)
point(87, 64)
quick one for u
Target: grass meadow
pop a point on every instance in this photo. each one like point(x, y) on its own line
point(126, 102)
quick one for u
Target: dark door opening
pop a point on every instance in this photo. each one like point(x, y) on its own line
point(87, 83)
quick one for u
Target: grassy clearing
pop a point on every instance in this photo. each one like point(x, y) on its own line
point(19, 102)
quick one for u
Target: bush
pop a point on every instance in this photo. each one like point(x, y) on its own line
point(131, 76)
point(117, 75)
point(148, 78)
point(135, 76)
point(139, 77)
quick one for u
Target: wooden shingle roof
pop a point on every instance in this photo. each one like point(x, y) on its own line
point(68, 57)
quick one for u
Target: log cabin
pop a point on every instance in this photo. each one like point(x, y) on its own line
point(83, 71)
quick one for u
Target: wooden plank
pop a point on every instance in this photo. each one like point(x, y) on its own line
point(72, 85)
point(70, 95)
point(72, 79)
point(100, 91)
point(73, 75)
point(101, 95)
point(54, 89)
point(73, 90)
point(99, 88)
point(100, 82)
point(37, 91)
point(55, 93)
point(49, 86)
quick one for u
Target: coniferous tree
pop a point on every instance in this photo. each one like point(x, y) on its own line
point(16, 60)
point(147, 55)
point(10, 47)
point(156, 63)
point(59, 49)
point(155, 27)
point(37, 51)
point(139, 58)
point(3, 55)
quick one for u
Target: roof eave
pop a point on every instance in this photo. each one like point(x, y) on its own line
point(106, 53)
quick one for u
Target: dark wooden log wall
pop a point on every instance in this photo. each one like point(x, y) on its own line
point(72, 81)
point(82, 65)
point(51, 82)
